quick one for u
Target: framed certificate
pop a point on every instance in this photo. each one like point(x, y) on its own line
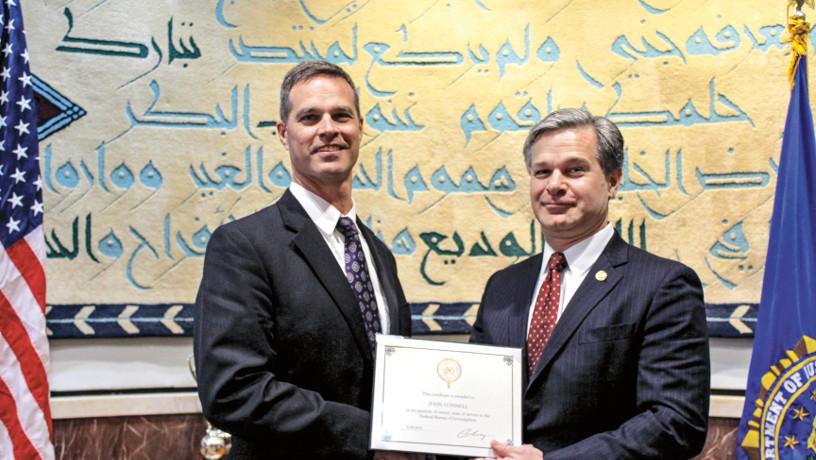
point(445, 398)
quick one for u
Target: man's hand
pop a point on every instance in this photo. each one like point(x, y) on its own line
point(505, 452)
point(382, 455)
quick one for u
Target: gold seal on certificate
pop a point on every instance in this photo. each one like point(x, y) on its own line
point(445, 398)
point(449, 370)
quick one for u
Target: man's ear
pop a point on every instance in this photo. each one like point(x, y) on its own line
point(614, 181)
point(281, 126)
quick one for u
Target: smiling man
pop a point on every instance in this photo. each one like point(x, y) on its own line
point(292, 296)
point(614, 338)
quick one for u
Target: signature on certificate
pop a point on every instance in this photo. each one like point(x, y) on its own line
point(471, 433)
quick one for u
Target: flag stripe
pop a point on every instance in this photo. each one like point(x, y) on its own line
point(21, 445)
point(21, 299)
point(5, 438)
point(36, 241)
point(20, 346)
point(29, 267)
point(31, 417)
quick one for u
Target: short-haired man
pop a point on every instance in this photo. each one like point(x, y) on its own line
point(614, 338)
point(292, 296)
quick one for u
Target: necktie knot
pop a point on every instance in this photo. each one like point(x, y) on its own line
point(346, 226)
point(557, 262)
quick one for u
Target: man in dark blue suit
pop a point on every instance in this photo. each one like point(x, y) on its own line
point(292, 296)
point(614, 338)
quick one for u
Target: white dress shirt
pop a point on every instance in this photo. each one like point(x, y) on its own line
point(325, 217)
point(580, 258)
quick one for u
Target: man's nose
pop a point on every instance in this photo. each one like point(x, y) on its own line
point(555, 183)
point(327, 126)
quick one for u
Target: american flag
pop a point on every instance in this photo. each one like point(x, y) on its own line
point(25, 415)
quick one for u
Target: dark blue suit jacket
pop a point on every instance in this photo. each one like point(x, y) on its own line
point(280, 346)
point(625, 373)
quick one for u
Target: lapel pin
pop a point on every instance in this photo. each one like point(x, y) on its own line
point(601, 275)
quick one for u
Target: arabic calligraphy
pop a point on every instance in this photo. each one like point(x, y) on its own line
point(120, 48)
point(699, 43)
point(182, 108)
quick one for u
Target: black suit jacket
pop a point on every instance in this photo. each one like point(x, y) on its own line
point(625, 373)
point(280, 347)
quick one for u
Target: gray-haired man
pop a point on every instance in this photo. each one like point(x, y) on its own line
point(615, 338)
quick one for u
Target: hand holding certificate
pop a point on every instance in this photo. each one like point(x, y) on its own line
point(445, 398)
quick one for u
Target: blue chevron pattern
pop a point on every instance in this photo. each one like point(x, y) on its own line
point(119, 320)
point(428, 318)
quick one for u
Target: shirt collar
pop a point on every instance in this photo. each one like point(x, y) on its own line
point(323, 214)
point(582, 255)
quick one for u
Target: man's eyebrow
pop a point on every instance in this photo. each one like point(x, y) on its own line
point(568, 160)
point(339, 108)
point(344, 108)
point(305, 110)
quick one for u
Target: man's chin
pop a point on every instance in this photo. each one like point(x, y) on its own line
point(555, 221)
point(561, 228)
point(554, 229)
point(338, 174)
point(332, 162)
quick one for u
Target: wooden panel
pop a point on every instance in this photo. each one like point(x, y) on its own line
point(132, 438)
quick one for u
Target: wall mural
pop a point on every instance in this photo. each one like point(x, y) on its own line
point(157, 124)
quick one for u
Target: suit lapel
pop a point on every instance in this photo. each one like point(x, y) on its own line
point(586, 298)
point(392, 303)
point(521, 301)
point(316, 253)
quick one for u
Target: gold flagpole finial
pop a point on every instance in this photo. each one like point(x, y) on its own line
point(798, 29)
point(799, 4)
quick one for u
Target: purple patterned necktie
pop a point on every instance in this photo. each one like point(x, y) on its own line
point(359, 279)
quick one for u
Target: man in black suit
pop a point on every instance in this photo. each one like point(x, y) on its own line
point(292, 296)
point(614, 338)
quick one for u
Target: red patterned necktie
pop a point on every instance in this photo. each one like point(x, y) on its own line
point(546, 310)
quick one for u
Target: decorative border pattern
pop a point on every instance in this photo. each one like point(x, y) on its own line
point(428, 318)
point(62, 112)
point(119, 320)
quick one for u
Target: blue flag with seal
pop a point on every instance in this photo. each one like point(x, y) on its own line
point(779, 417)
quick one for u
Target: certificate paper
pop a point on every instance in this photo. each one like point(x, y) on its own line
point(445, 398)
